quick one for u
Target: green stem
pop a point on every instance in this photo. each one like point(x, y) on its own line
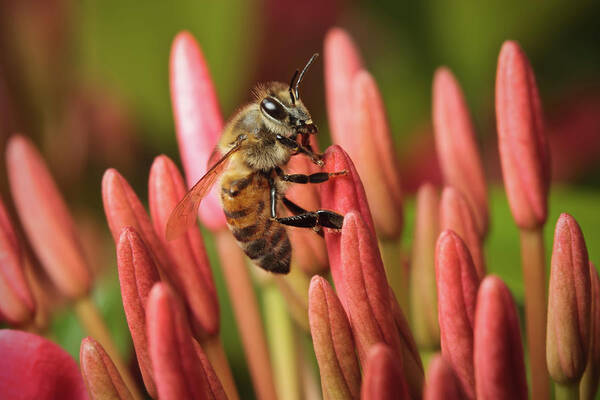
point(213, 347)
point(294, 288)
point(396, 271)
point(283, 347)
point(534, 277)
point(566, 392)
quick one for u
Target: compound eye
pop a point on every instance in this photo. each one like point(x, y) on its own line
point(273, 108)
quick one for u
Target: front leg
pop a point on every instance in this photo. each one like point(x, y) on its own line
point(299, 148)
point(318, 177)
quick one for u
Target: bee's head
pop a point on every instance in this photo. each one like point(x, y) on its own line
point(282, 109)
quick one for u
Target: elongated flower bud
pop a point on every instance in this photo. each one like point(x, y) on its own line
point(359, 124)
point(589, 381)
point(16, 300)
point(191, 265)
point(423, 291)
point(456, 215)
point(100, 374)
point(521, 140)
point(178, 372)
point(442, 383)
point(457, 284)
point(569, 298)
point(456, 146)
point(333, 342)
point(32, 367)
point(198, 120)
point(499, 363)
point(137, 275)
point(46, 219)
point(383, 375)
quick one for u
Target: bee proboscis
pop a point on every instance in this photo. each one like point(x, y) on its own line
point(257, 142)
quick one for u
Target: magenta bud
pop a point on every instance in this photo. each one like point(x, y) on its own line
point(499, 363)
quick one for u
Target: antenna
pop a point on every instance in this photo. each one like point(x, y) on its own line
point(308, 64)
point(291, 86)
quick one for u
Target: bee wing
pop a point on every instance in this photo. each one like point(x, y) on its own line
point(186, 211)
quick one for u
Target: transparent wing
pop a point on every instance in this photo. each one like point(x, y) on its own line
point(186, 211)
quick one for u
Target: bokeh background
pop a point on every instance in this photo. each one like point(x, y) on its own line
point(88, 81)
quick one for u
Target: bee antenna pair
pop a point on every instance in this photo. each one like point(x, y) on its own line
point(294, 93)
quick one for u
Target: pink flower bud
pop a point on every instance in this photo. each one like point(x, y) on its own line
point(99, 372)
point(343, 194)
point(32, 367)
point(16, 300)
point(342, 62)
point(46, 219)
point(457, 284)
point(442, 383)
point(456, 215)
point(569, 298)
point(333, 342)
point(456, 146)
point(191, 265)
point(589, 381)
point(498, 354)
point(383, 375)
point(521, 140)
point(178, 372)
point(423, 291)
point(198, 120)
point(123, 208)
point(137, 275)
point(359, 124)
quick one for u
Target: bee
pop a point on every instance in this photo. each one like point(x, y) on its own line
point(257, 142)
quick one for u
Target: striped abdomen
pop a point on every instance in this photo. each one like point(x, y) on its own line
point(246, 202)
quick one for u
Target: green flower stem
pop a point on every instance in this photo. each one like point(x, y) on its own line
point(566, 392)
point(94, 325)
point(294, 288)
point(395, 270)
point(280, 330)
point(247, 314)
point(534, 277)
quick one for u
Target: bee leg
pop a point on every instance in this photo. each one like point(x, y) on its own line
point(297, 210)
point(314, 219)
point(299, 148)
point(312, 178)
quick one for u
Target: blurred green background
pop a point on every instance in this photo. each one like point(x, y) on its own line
point(88, 81)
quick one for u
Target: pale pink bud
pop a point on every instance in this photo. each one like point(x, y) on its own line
point(178, 372)
point(442, 383)
point(16, 300)
point(423, 291)
point(569, 298)
point(383, 375)
point(99, 372)
point(137, 275)
point(456, 146)
point(198, 120)
point(190, 262)
point(32, 367)
point(457, 215)
point(46, 219)
point(498, 355)
point(589, 381)
point(521, 140)
point(457, 284)
point(333, 342)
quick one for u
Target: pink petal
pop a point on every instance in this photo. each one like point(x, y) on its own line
point(569, 299)
point(48, 224)
point(442, 383)
point(457, 284)
point(32, 367)
point(521, 138)
point(591, 376)
point(198, 120)
point(137, 275)
point(456, 146)
point(190, 262)
point(383, 375)
point(16, 301)
point(498, 354)
point(99, 372)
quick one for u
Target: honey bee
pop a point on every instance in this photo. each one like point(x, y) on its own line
point(257, 142)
